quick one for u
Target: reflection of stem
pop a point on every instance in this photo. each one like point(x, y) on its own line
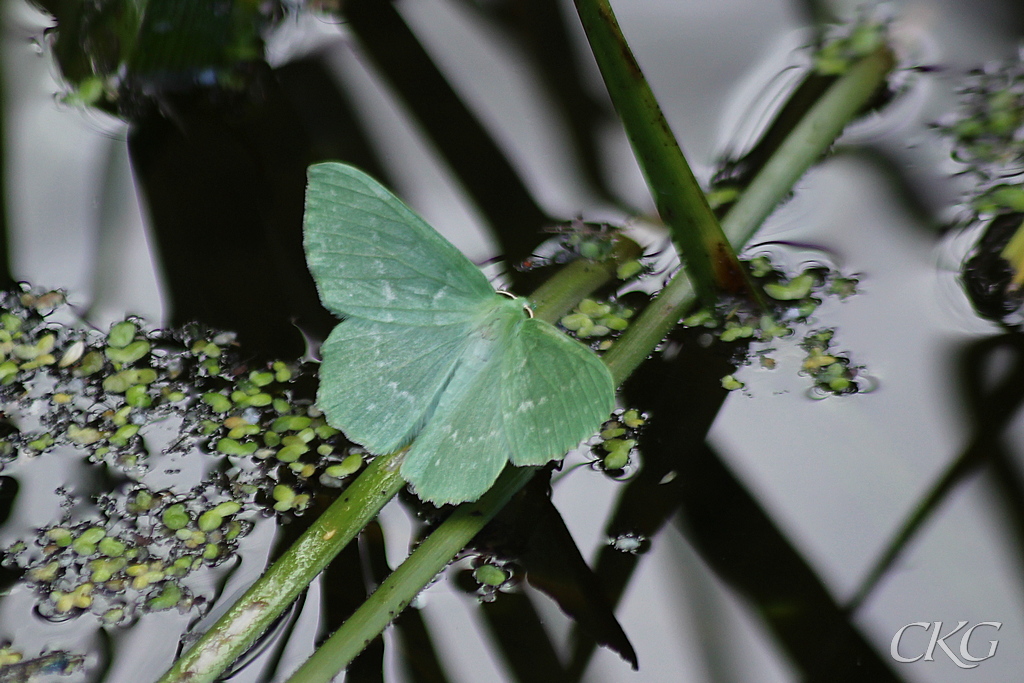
point(806, 144)
point(957, 472)
point(993, 410)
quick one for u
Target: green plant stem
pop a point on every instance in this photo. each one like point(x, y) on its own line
point(402, 585)
point(257, 609)
point(647, 331)
point(710, 258)
point(806, 143)
point(558, 295)
point(847, 97)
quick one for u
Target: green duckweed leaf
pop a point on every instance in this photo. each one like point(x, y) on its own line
point(428, 354)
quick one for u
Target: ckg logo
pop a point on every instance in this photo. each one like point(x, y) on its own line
point(962, 657)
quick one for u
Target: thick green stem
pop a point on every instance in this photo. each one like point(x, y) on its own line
point(647, 331)
point(710, 259)
point(281, 584)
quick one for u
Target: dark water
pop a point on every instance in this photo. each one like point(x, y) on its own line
point(748, 546)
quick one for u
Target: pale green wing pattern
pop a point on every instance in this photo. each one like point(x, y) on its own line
point(464, 446)
point(380, 382)
point(372, 257)
point(555, 392)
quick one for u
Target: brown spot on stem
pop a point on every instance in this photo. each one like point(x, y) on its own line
point(728, 272)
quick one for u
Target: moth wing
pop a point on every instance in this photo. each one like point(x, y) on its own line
point(555, 392)
point(372, 257)
point(464, 446)
point(379, 382)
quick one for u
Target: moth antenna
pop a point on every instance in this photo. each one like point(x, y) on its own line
point(526, 304)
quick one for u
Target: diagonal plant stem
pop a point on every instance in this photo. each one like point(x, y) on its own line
point(805, 145)
point(710, 259)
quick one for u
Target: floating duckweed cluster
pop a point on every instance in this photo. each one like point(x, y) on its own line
point(578, 239)
point(596, 320)
point(795, 300)
point(988, 139)
point(832, 373)
point(988, 130)
point(493, 575)
point(131, 395)
point(133, 560)
point(617, 439)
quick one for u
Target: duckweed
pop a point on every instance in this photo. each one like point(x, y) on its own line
point(291, 423)
point(121, 334)
point(137, 396)
point(121, 553)
point(123, 434)
point(229, 446)
point(730, 383)
point(129, 354)
point(219, 403)
point(167, 598)
point(350, 465)
point(175, 517)
point(111, 547)
point(84, 436)
point(60, 536)
point(122, 381)
point(490, 575)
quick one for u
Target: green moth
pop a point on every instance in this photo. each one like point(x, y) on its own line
point(428, 354)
